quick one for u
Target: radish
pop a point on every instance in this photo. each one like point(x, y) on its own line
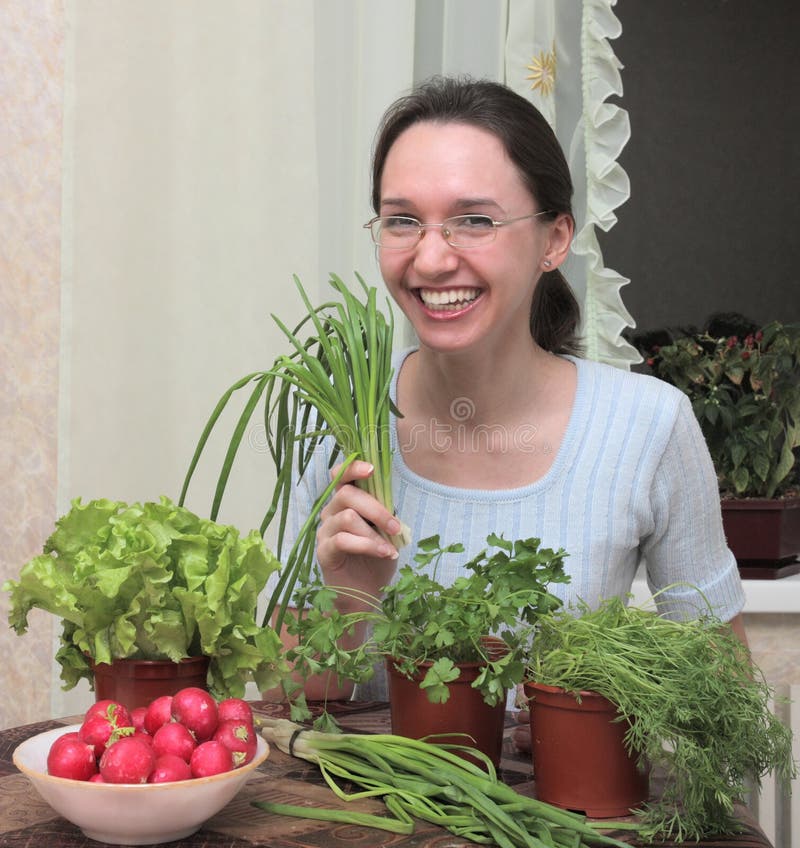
point(114, 711)
point(137, 717)
point(240, 738)
point(234, 709)
point(158, 712)
point(168, 769)
point(129, 760)
point(71, 757)
point(196, 709)
point(174, 738)
point(97, 731)
point(211, 758)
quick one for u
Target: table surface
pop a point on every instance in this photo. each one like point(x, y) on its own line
point(26, 821)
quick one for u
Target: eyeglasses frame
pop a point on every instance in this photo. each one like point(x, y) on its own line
point(445, 231)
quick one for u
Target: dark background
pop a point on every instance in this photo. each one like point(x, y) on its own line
point(712, 89)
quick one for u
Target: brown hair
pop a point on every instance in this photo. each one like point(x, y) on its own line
point(531, 145)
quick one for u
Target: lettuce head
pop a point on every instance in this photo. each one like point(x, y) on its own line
point(153, 581)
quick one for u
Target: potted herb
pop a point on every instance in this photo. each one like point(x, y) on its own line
point(692, 705)
point(744, 385)
point(153, 582)
point(450, 648)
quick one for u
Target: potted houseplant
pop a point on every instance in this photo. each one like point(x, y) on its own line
point(153, 583)
point(451, 653)
point(744, 385)
point(689, 701)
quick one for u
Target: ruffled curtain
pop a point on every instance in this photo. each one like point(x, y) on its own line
point(558, 55)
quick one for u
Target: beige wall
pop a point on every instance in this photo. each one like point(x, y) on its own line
point(31, 112)
point(775, 642)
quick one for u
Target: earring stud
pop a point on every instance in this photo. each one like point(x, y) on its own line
point(547, 263)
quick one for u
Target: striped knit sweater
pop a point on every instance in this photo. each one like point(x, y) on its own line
point(631, 484)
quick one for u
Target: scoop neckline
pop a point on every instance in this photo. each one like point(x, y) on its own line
point(401, 469)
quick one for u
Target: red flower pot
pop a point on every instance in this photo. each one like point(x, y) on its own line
point(579, 757)
point(464, 712)
point(136, 683)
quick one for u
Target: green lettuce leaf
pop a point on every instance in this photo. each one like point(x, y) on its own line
point(153, 581)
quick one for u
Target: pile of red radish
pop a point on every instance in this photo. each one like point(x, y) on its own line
point(176, 737)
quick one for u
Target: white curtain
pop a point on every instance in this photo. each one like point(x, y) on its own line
point(558, 55)
point(211, 151)
point(214, 150)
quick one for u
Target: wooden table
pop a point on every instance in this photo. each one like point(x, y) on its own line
point(28, 822)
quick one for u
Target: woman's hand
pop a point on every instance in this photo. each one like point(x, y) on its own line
point(521, 734)
point(350, 549)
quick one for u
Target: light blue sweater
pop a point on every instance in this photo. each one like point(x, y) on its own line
point(632, 483)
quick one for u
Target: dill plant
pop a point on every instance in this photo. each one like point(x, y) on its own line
point(696, 706)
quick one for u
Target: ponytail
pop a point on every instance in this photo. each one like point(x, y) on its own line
point(555, 315)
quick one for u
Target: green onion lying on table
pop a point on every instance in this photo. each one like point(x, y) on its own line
point(421, 780)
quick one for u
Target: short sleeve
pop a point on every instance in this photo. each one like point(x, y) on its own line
point(689, 565)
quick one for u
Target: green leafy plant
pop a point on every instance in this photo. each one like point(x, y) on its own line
point(503, 593)
point(153, 581)
point(745, 392)
point(696, 707)
point(335, 382)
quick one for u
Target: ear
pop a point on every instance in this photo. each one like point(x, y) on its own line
point(559, 238)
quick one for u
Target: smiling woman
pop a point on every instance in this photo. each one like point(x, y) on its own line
point(472, 198)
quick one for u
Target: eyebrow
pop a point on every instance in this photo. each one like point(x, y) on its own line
point(463, 203)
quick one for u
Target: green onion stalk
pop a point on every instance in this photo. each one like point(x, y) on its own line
point(418, 779)
point(335, 381)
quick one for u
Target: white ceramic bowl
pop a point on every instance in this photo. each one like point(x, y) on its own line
point(142, 814)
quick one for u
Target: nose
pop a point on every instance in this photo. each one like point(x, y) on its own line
point(433, 256)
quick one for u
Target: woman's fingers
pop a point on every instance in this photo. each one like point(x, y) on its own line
point(521, 734)
point(348, 532)
point(521, 738)
point(357, 470)
point(353, 498)
point(352, 523)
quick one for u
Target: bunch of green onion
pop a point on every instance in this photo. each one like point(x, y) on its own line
point(335, 381)
point(420, 780)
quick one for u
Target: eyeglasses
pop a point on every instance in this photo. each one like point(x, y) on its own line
point(400, 232)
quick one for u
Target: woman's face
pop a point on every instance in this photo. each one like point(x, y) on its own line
point(457, 298)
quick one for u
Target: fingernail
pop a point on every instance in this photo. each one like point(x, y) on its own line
point(388, 552)
point(393, 527)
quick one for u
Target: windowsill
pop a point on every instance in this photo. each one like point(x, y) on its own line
point(771, 596)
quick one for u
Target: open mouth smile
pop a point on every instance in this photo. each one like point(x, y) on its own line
point(448, 300)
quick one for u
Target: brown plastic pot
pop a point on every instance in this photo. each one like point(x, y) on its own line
point(136, 683)
point(579, 757)
point(763, 534)
point(464, 712)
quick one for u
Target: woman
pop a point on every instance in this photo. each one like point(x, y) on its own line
point(504, 428)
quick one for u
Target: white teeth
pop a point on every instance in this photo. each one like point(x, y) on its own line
point(449, 298)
